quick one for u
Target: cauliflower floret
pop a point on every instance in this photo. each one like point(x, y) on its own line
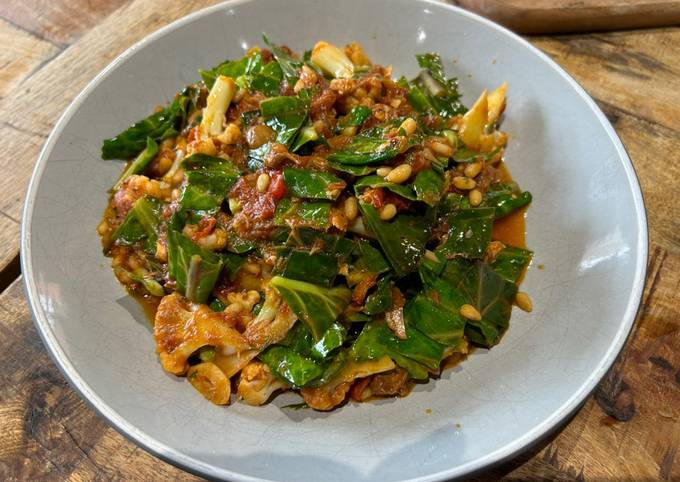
point(258, 383)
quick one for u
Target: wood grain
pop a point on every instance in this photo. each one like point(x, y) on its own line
point(57, 21)
point(546, 16)
point(22, 55)
point(629, 429)
point(48, 433)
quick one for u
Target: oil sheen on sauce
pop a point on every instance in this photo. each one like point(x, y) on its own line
point(511, 229)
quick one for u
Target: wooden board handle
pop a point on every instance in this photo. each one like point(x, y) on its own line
point(548, 16)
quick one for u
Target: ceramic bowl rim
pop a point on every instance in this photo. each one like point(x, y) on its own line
point(192, 465)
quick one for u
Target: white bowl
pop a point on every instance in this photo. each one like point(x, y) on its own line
point(587, 226)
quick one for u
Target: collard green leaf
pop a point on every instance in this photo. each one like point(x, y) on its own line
point(379, 181)
point(368, 259)
point(415, 354)
point(356, 116)
point(505, 198)
point(469, 233)
point(331, 340)
point(295, 369)
point(267, 79)
point(295, 212)
point(381, 299)
point(193, 268)
point(511, 262)
point(229, 68)
point(433, 63)
point(440, 92)
point(138, 165)
point(428, 186)
point(466, 155)
point(306, 135)
point(439, 323)
point(212, 174)
point(311, 239)
point(238, 245)
point(140, 225)
point(364, 149)
point(289, 64)
point(317, 306)
point(286, 115)
point(402, 239)
point(232, 263)
point(209, 180)
point(159, 125)
point(487, 291)
point(306, 183)
point(318, 268)
point(354, 170)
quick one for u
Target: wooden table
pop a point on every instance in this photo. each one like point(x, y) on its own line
point(630, 427)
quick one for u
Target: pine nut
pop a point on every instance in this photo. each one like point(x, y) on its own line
point(399, 174)
point(388, 211)
point(523, 301)
point(349, 131)
point(351, 208)
point(409, 126)
point(464, 183)
point(253, 297)
point(431, 255)
point(472, 169)
point(319, 126)
point(103, 227)
point(475, 197)
point(263, 182)
point(234, 205)
point(252, 268)
point(470, 312)
point(441, 149)
point(383, 171)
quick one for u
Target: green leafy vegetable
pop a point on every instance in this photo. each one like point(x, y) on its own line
point(141, 224)
point(306, 183)
point(290, 366)
point(487, 291)
point(401, 239)
point(506, 199)
point(354, 170)
point(229, 68)
point(432, 91)
point(209, 179)
point(193, 268)
point(369, 259)
point(319, 268)
point(469, 233)
point(511, 262)
point(329, 342)
point(428, 186)
point(286, 115)
point(160, 125)
point(439, 323)
point(379, 181)
point(298, 213)
point(381, 299)
point(138, 165)
point(415, 354)
point(364, 149)
point(317, 306)
point(356, 116)
point(289, 64)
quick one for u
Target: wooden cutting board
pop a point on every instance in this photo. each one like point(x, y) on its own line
point(549, 16)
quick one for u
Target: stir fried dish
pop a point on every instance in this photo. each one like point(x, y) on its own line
point(313, 223)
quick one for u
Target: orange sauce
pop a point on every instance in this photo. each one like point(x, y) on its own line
point(511, 229)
